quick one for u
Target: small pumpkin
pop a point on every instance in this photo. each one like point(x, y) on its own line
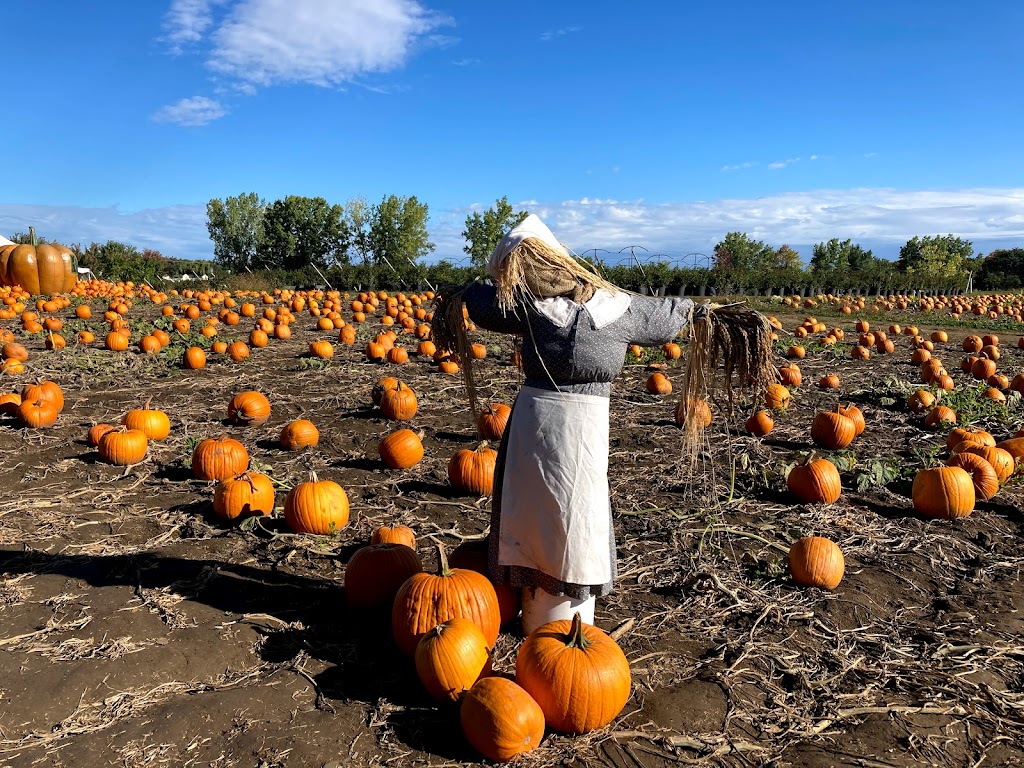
point(96, 432)
point(249, 494)
point(939, 414)
point(473, 470)
point(760, 423)
point(193, 359)
point(451, 657)
point(833, 430)
point(659, 384)
point(830, 381)
point(316, 506)
point(37, 413)
point(577, 674)
point(815, 561)
point(249, 409)
point(776, 397)
point(958, 435)
point(394, 534)
point(492, 421)
point(299, 434)
point(500, 719)
point(1000, 459)
point(219, 458)
point(375, 573)
point(943, 492)
point(815, 481)
point(153, 423)
point(402, 449)
point(696, 409)
point(123, 447)
point(399, 403)
point(983, 475)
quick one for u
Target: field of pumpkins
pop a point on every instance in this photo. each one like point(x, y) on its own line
point(248, 529)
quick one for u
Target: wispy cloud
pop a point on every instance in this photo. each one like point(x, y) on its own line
point(319, 42)
point(779, 164)
point(554, 34)
point(466, 62)
point(882, 219)
point(186, 21)
point(738, 166)
point(870, 154)
point(198, 110)
point(812, 158)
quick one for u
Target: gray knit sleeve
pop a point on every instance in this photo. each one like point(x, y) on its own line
point(656, 321)
point(481, 303)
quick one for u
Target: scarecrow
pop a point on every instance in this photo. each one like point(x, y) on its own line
point(551, 528)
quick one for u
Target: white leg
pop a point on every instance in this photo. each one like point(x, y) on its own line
point(540, 607)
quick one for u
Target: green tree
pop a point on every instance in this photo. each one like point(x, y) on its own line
point(397, 233)
point(939, 259)
point(483, 233)
point(358, 214)
point(114, 261)
point(785, 258)
point(303, 231)
point(1002, 268)
point(841, 255)
point(235, 225)
point(737, 251)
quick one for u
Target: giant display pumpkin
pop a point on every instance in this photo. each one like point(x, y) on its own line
point(43, 269)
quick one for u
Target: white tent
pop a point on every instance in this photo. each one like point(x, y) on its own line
point(4, 241)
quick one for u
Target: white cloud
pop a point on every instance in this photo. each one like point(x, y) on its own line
point(813, 157)
point(554, 34)
point(870, 154)
point(320, 42)
point(198, 110)
point(466, 62)
point(783, 163)
point(738, 166)
point(186, 22)
point(881, 219)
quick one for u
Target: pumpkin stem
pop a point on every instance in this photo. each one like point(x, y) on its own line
point(483, 444)
point(443, 568)
point(146, 406)
point(576, 637)
point(32, 236)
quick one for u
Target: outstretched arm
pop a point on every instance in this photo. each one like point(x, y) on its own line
point(656, 321)
point(481, 302)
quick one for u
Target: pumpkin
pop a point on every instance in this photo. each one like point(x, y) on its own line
point(154, 424)
point(37, 414)
point(473, 555)
point(983, 475)
point(299, 434)
point(501, 720)
point(577, 674)
point(316, 506)
point(492, 420)
point(473, 470)
point(831, 429)
point(790, 375)
point(96, 432)
point(760, 423)
point(921, 401)
point(11, 350)
point(9, 402)
point(238, 351)
point(123, 447)
point(939, 414)
point(451, 657)
point(249, 409)
point(39, 269)
point(382, 386)
point(1015, 447)
point(958, 435)
point(394, 534)
point(249, 494)
point(401, 449)
point(219, 458)
point(831, 381)
point(659, 384)
point(1001, 460)
point(699, 409)
point(44, 390)
point(815, 481)
point(776, 397)
point(426, 600)
point(983, 368)
point(943, 492)
point(375, 573)
point(853, 413)
point(972, 344)
point(193, 359)
point(399, 403)
point(815, 561)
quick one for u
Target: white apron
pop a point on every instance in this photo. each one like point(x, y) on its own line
point(555, 510)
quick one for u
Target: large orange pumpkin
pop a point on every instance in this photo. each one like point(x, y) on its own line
point(815, 561)
point(451, 657)
point(943, 492)
point(41, 269)
point(577, 674)
point(316, 506)
point(500, 719)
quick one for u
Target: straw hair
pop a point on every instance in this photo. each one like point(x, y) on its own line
point(536, 256)
point(448, 330)
point(741, 340)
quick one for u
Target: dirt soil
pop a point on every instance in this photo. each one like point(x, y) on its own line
point(137, 630)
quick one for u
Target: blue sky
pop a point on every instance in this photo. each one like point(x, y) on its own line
point(663, 124)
